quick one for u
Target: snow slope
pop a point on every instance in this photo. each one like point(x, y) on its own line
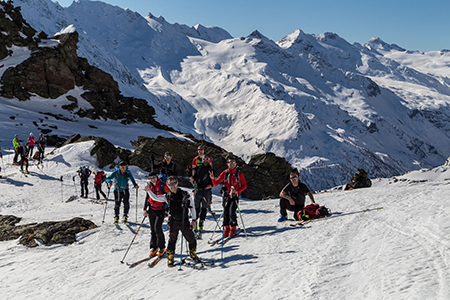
point(399, 252)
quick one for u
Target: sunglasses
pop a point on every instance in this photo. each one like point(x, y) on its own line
point(295, 177)
point(152, 177)
point(231, 162)
point(123, 167)
point(167, 156)
point(173, 184)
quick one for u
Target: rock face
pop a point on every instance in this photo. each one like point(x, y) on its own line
point(54, 68)
point(48, 233)
point(359, 180)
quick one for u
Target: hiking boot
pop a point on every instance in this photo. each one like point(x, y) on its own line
point(14, 164)
point(153, 252)
point(200, 225)
point(170, 258)
point(232, 231)
point(193, 255)
point(282, 219)
point(161, 252)
point(125, 218)
point(116, 219)
point(226, 231)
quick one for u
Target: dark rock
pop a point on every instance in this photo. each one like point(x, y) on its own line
point(359, 180)
point(48, 233)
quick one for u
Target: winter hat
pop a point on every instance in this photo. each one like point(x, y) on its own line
point(200, 148)
point(122, 163)
point(31, 134)
point(16, 135)
point(152, 174)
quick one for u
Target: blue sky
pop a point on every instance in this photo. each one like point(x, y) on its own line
point(414, 25)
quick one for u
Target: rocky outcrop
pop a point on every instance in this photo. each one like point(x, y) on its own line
point(359, 180)
point(53, 69)
point(48, 233)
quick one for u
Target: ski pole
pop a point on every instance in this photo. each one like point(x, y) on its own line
point(211, 212)
point(136, 203)
point(106, 205)
point(217, 225)
point(183, 205)
point(133, 239)
point(242, 220)
point(62, 194)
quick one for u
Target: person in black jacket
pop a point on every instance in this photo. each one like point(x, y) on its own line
point(167, 166)
point(84, 174)
point(203, 193)
point(42, 142)
point(178, 203)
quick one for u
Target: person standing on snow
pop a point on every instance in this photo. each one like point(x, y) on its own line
point(31, 141)
point(23, 158)
point(178, 203)
point(16, 145)
point(203, 193)
point(99, 178)
point(197, 162)
point(167, 166)
point(42, 142)
point(84, 174)
point(234, 184)
point(292, 196)
point(154, 209)
point(121, 193)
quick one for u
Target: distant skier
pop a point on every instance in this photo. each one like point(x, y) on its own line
point(42, 142)
point(203, 193)
point(31, 142)
point(234, 184)
point(167, 166)
point(16, 145)
point(293, 196)
point(179, 201)
point(23, 158)
point(121, 193)
point(99, 178)
point(84, 174)
point(154, 208)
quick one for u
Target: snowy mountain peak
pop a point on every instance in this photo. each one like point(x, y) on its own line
point(379, 44)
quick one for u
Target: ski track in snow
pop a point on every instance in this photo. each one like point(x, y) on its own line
point(398, 252)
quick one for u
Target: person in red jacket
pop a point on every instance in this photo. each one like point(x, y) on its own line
point(99, 178)
point(154, 208)
point(234, 184)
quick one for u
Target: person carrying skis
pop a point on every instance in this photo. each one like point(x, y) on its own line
point(16, 145)
point(84, 174)
point(234, 184)
point(292, 196)
point(167, 166)
point(121, 193)
point(23, 158)
point(178, 202)
point(99, 178)
point(154, 209)
point(203, 193)
point(31, 141)
point(42, 142)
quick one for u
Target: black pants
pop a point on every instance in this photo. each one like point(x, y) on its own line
point(16, 156)
point(186, 230)
point(84, 188)
point(118, 198)
point(30, 151)
point(230, 204)
point(202, 200)
point(23, 162)
point(98, 190)
point(157, 239)
point(285, 205)
point(41, 154)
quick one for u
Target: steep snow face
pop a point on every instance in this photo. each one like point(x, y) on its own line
point(324, 104)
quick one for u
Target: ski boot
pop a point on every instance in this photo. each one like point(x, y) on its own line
point(161, 252)
point(193, 255)
point(227, 231)
point(200, 225)
point(232, 231)
point(125, 218)
point(170, 258)
point(153, 252)
point(282, 219)
point(116, 219)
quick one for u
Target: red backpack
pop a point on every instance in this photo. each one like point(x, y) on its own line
point(312, 211)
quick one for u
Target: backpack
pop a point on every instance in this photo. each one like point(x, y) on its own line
point(237, 174)
point(312, 211)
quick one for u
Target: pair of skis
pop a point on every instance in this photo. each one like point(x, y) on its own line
point(150, 264)
point(225, 239)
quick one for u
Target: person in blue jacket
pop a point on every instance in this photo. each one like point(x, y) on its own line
point(121, 193)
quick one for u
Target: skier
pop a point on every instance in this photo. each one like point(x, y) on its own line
point(84, 174)
point(178, 201)
point(23, 158)
point(293, 196)
point(16, 145)
point(99, 178)
point(167, 166)
point(42, 142)
point(234, 184)
point(197, 162)
point(203, 193)
point(30, 142)
point(154, 208)
point(121, 193)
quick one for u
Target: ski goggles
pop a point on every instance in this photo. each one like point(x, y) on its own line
point(167, 156)
point(294, 177)
point(231, 162)
point(172, 184)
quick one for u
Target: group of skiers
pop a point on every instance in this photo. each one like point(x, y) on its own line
point(25, 152)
